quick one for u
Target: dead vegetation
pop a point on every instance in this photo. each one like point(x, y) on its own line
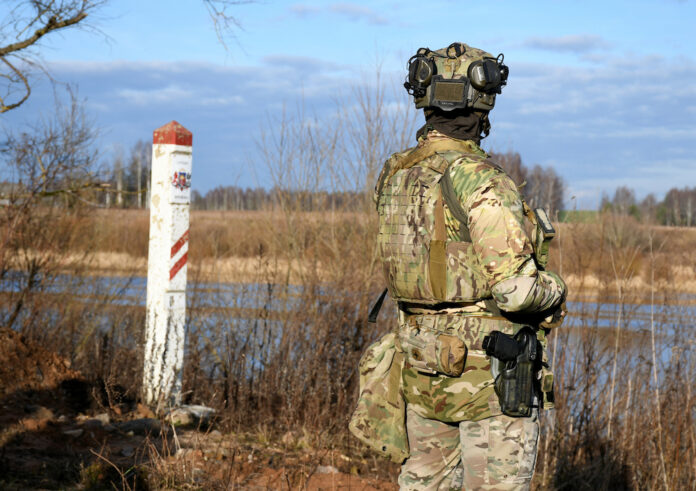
point(277, 355)
point(276, 326)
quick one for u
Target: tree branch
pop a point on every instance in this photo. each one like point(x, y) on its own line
point(27, 88)
point(52, 25)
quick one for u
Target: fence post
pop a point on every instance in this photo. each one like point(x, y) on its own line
point(170, 198)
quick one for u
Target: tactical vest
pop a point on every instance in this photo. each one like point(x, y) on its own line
point(421, 264)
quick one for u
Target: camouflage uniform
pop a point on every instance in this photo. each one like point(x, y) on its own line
point(445, 276)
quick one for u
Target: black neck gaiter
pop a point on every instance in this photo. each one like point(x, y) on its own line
point(460, 124)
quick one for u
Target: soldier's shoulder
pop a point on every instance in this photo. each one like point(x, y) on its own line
point(402, 154)
point(396, 158)
point(392, 164)
point(472, 163)
point(470, 173)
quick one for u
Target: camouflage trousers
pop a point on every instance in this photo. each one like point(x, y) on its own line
point(496, 453)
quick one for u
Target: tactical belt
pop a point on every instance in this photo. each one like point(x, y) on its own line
point(471, 327)
point(450, 307)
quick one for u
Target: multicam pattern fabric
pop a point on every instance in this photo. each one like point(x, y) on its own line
point(497, 453)
point(496, 263)
point(529, 293)
point(457, 436)
point(471, 395)
point(496, 220)
point(406, 207)
point(379, 418)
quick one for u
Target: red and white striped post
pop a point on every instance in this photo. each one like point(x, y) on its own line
point(170, 199)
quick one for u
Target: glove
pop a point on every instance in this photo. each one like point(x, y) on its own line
point(556, 318)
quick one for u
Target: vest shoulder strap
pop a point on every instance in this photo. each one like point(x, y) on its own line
point(399, 162)
point(454, 205)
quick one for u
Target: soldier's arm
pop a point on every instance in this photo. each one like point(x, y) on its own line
point(496, 225)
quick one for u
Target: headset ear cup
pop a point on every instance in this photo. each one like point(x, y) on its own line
point(420, 72)
point(504, 73)
point(477, 75)
point(423, 73)
point(487, 75)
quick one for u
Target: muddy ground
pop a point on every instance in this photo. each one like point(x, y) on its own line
point(59, 431)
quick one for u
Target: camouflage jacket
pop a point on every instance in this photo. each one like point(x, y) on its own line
point(478, 250)
point(491, 256)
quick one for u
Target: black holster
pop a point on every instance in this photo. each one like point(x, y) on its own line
point(516, 385)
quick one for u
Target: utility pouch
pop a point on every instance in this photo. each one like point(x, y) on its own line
point(433, 352)
point(379, 420)
point(516, 385)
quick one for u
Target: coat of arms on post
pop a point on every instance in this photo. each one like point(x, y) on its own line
point(182, 180)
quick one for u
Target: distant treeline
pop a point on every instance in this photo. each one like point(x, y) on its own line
point(236, 198)
point(678, 207)
point(129, 175)
point(541, 187)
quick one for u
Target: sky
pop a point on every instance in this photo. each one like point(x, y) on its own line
point(602, 92)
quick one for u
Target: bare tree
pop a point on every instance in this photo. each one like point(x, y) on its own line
point(512, 163)
point(54, 163)
point(648, 207)
point(624, 200)
point(540, 186)
point(24, 26)
point(224, 22)
point(56, 156)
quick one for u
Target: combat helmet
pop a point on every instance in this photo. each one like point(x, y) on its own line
point(456, 77)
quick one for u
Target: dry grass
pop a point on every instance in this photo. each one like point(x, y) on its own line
point(285, 348)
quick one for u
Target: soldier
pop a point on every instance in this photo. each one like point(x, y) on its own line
point(461, 263)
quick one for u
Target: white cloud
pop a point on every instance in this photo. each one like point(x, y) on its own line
point(222, 101)
point(357, 12)
point(303, 9)
point(141, 97)
point(350, 11)
point(578, 43)
point(628, 120)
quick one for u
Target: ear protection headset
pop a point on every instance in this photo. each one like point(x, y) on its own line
point(476, 77)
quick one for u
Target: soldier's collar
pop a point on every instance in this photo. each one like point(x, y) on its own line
point(429, 134)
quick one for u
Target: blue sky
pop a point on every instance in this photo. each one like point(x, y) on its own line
point(603, 92)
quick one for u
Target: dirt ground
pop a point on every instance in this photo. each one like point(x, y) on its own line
point(58, 432)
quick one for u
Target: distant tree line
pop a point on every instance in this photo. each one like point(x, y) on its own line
point(128, 181)
point(236, 198)
point(678, 208)
point(541, 187)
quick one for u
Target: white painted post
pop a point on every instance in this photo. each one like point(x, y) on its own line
point(170, 192)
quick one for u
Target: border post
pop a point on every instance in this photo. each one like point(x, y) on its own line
point(170, 199)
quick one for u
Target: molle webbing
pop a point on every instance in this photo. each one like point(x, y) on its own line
point(421, 261)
